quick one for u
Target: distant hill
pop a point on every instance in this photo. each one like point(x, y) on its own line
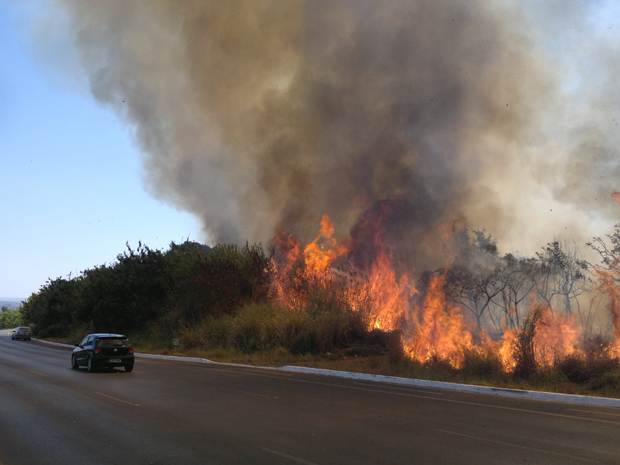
point(10, 303)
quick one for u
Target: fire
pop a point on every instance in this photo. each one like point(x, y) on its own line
point(432, 328)
point(287, 255)
point(388, 296)
point(506, 347)
point(609, 281)
point(616, 196)
point(440, 331)
point(554, 337)
point(321, 252)
point(557, 337)
point(378, 293)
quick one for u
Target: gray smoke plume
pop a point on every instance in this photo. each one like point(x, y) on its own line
point(258, 116)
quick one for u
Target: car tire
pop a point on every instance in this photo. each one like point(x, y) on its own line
point(74, 364)
point(89, 365)
point(129, 368)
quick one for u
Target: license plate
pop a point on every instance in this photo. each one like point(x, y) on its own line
point(115, 360)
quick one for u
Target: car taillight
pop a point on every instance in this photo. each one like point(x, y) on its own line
point(97, 351)
point(131, 351)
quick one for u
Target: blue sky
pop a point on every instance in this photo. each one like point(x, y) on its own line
point(72, 192)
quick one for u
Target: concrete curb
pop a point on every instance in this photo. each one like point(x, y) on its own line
point(522, 394)
point(53, 343)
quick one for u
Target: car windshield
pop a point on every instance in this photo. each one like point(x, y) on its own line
point(112, 342)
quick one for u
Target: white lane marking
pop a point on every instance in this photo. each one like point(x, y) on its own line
point(595, 412)
point(117, 399)
point(37, 373)
point(282, 454)
point(518, 446)
point(248, 392)
point(412, 389)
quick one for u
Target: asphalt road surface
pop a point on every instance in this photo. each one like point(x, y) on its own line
point(188, 413)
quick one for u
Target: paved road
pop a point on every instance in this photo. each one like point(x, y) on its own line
point(188, 413)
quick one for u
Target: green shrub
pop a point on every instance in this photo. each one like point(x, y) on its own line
point(295, 334)
point(11, 318)
point(482, 365)
point(607, 383)
point(587, 369)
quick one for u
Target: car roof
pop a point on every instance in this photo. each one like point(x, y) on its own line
point(107, 335)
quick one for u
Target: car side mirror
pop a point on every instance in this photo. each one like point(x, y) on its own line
point(77, 345)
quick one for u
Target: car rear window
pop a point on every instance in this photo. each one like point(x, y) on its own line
point(112, 342)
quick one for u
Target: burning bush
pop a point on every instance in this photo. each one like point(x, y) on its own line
point(328, 277)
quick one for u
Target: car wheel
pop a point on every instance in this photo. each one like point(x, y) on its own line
point(129, 368)
point(90, 366)
point(74, 364)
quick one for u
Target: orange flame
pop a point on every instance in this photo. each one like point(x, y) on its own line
point(321, 252)
point(609, 279)
point(556, 336)
point(441, 331)
point(505, 350)
point(389, 296)
point(431, 330)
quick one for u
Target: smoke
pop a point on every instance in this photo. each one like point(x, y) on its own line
point(257, 116)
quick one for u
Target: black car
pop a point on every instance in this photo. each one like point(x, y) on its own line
point(103, 350)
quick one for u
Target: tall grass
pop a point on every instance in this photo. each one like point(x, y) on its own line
point(266, 326)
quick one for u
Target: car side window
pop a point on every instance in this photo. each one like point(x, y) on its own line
point(83, 343)
point(89, 341)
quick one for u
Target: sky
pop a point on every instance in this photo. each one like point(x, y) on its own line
point(117, 119)
point(72, 188)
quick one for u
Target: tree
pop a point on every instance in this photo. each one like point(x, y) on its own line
point(609, 274)
point(473, 289)
point(52, 311)
point(11, 318)
point(516, 281)
point(562, 274)
point(473, 281)
point(130, 293)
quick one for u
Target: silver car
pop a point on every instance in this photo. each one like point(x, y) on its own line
point(22, 332)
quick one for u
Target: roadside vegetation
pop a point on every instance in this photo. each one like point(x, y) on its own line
point(11, 318)
point(221, 303)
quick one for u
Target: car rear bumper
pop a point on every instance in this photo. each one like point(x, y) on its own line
point(119, 361)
